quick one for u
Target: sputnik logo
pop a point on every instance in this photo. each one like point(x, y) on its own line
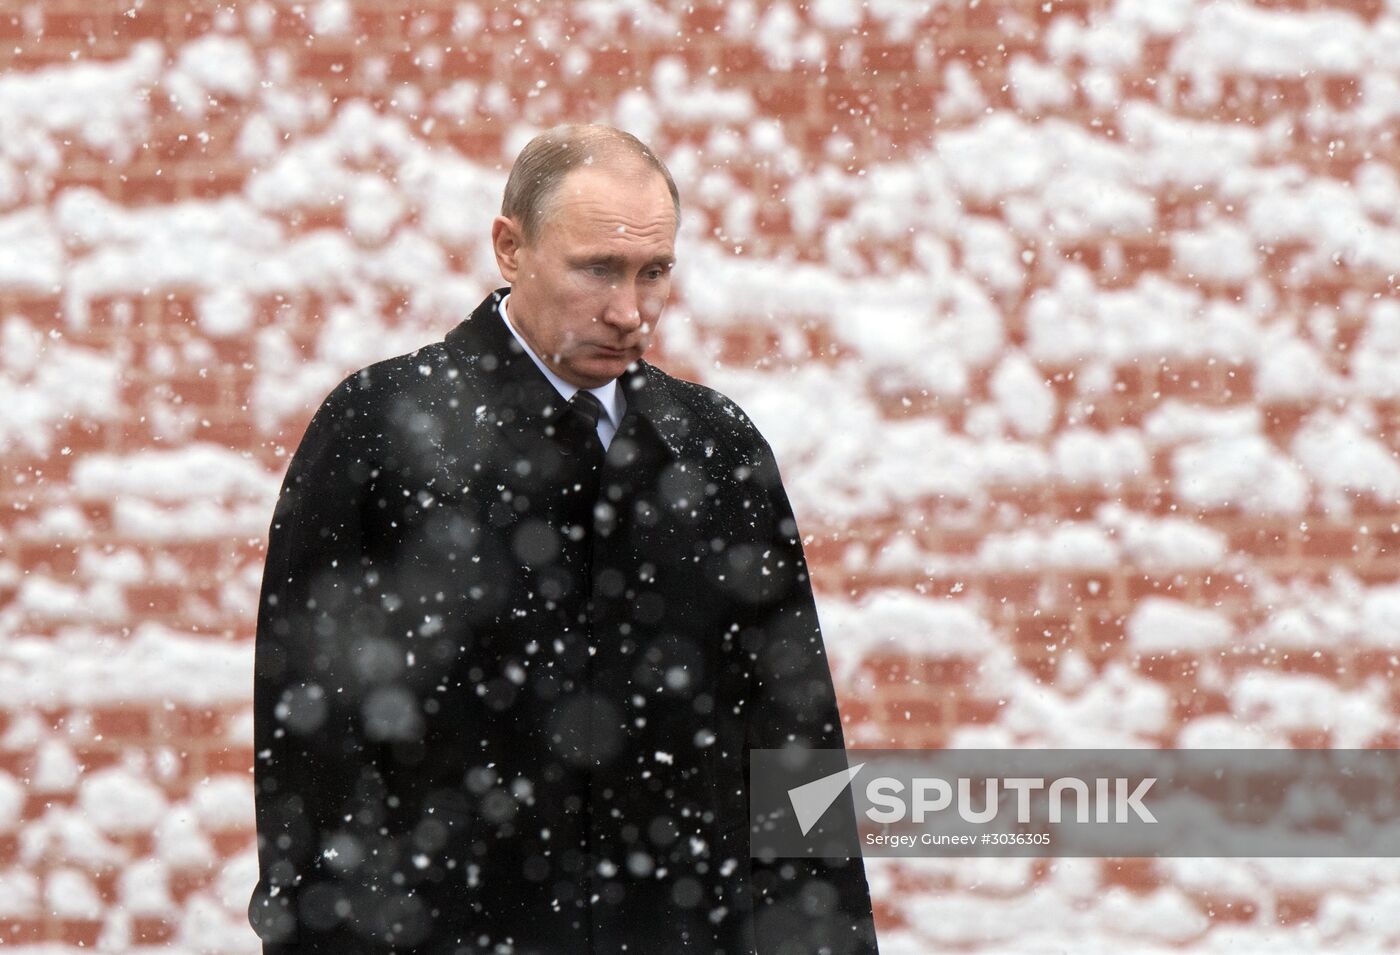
point(810, 801)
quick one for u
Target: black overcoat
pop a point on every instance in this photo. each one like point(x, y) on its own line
point(462, 746)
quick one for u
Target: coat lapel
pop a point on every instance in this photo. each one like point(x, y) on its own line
point(649, 401)
point(510, 396)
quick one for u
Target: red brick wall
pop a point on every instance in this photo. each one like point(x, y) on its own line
point(1074, 325)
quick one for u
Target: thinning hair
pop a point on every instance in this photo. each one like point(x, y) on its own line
point(553, 154)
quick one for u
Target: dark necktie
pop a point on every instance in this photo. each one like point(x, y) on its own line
point(585, 410)
point(577, 430)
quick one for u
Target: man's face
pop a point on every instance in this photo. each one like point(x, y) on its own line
point(588, 293)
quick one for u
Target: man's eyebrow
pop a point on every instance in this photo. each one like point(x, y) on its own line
point(608, 258)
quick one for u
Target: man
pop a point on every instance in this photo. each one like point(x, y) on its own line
point(528, 603)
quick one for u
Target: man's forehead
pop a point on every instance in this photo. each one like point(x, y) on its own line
point(615, 209)
point(632, 184)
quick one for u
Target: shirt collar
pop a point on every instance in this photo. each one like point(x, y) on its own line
point(609, 395)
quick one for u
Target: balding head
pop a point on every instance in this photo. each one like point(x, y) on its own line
point(549, 157)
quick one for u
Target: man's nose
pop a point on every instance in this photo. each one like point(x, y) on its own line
point(623, 310)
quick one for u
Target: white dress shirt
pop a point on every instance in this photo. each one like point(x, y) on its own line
point(609, 396)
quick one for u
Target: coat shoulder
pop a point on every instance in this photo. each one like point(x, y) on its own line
point(384, 391)
point(726, 425)
point(416, 371)
point(370, 409)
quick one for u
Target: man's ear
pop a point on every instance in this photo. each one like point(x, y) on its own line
point(506, 242)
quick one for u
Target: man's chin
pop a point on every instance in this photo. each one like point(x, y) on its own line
point(600, 371)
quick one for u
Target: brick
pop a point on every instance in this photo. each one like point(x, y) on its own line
point(1261, 538)
point(40, 309)
point(731, 59)
point(138, 845)
point(81, 176)
point(1086, 588)
point(1146, 255)
point(1149, 585)
point(477, 142)
point(233, 841)
point(1372, 663)
point(12, 28)
point(1052, 10)
point(1020, 589)
point(948, 672)
point(74, 26)
point(911, 108)
point(81, 932)
point(19, 931)
point(1369, 10)
point(152, 930)
point(98, 755)
point(1168, 667)
point(187, 21)
point(52, 558)
point(105, 882)
point(118, 311)
point(1137, 875)
point(1103, 635)
point(187, 387)
point(989, 15)
point(1191, 703)
point(1331, 542)
point(1341, 92)
point(187, 722)
point(209, 181)
point(976, 711)
point(145, 22)
point(1385, 739)
point(891, 669)
point(122, 722)
point(184, 882)
point(888, 914)
point(230, 429)
point(613, 62)
point(155, 599)
point(378, 22)
point(1292, 908)
point(783, 99)
point(335, 65)
point(913, 736)
point(1282, 421)
point(204, 556)
point(1044, 630)
point(854, 711)
point(959, 541)
point(146, 183)
point(1310, 739)
point(773, 219)
point(910, 710)
point(885, 58)
point(702, 16)
point(1213, 588)
point(1223, 910)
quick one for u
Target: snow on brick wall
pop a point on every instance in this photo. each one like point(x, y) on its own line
point(1074, 325)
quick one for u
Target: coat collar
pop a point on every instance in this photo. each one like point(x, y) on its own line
point(511, 390)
